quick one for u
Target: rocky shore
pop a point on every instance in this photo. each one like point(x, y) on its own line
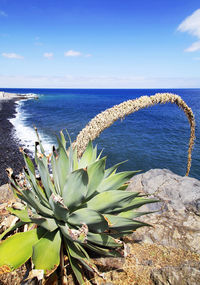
point(9, 148)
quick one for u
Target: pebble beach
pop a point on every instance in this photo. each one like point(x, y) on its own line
point(9, 148)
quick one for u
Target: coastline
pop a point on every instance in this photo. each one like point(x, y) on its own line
point(10, 155)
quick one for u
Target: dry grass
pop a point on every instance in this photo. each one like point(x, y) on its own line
point(142, 260)
point(106, 118)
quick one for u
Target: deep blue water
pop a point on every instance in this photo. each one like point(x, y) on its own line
point(156, 137)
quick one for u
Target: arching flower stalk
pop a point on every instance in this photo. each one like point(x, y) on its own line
point(106, 118)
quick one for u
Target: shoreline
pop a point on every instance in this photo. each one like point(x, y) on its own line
point(10, 96)
point(10, 155)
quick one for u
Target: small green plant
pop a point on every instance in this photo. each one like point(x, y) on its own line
point(71, 206)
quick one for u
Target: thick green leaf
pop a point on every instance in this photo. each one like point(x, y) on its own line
point(29, 197)
point(96, 175)
point(76, 252)
point(21, 214)
point(75, 159)
point(113, 169)
point(132, 214)
point(75, 188)
point(29, 164)
point(134, 204)
point(87, 157)
point(115, 181)
point(12, 228)
point(40, 144)
point(109, 201)
point(17, 249)
point(62, 139)
point(46, 252)
point(74, 234)
point(35, 187)
point(60, 166)
point(60, 211)
point(95, 221)
point(78, 272)
point(123, 224)
point(103, 251)
point(103, 240)
point(46, 223)
point(45, 177)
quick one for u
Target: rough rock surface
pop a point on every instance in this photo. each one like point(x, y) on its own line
point(177, 220)
point(180, 275)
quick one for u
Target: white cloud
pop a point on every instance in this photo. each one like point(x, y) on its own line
point(194, 47)
point(48, 55)
point(70, 81)
point(88, 55)
point(12, 55)
point(3, 14)
point(72, 53)
point(191, 25)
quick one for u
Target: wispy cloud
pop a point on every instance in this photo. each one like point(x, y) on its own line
point(88, 55)
point(70, 81)
point(194, 47)
point(12, 55)
point(48, 55)
point(72, 53)
point(3, 14)
point(191, 25)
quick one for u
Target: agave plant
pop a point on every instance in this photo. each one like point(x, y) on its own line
point(71, 206)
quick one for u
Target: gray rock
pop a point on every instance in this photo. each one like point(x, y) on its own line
point(180, 275)
point(177, 220)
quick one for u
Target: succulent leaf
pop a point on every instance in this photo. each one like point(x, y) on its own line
point(96, 175)
point(135, 203)
point(17, 249)
point(75, 188)
point(60, 211)
point(102, 251)
point(76, 268)
point(60, 166)
point(46, 252)
point(103, 240)
point(21, 214)
point(12, 228)
point(112, 169)
point(109, 201)
point(47, 223)
point(132, 214)
point(95, 221)
point(29, 197)
point(115, 181)
point(36, 188)
point(123, 224)
point(87, 157)
point(45, 177)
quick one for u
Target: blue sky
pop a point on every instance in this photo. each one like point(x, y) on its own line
point(100, 44)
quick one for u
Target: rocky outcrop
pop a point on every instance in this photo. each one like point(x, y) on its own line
point(177, 275)
point(176, 221)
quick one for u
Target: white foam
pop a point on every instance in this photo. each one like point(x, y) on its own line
point(26, 134)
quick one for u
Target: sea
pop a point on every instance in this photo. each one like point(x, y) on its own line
point(155, 137)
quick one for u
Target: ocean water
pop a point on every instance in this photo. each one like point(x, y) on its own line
point(156, 137)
